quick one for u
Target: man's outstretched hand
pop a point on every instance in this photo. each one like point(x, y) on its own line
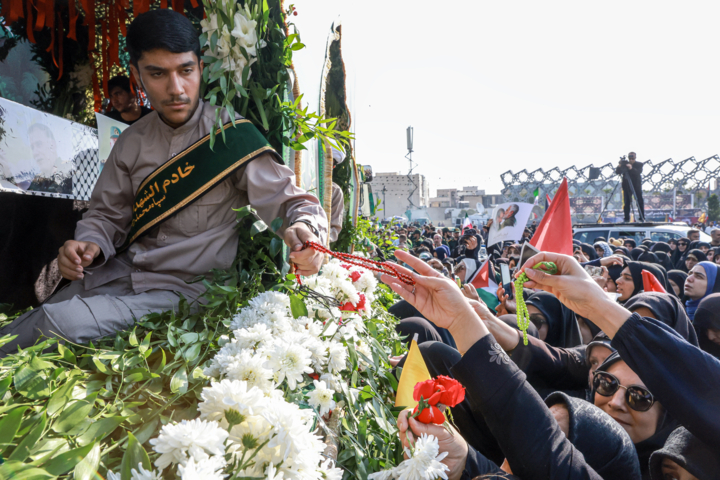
point(74, 256)
point(308, 261)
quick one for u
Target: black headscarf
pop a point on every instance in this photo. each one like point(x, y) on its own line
point(649, 257)
point(635, 253)
point(630, 240)
point(664, 260)
point(589, 251)
point(563, 329)
point(606, 446)
point(679, 277)
point(661, 247)
point(681, 324)
point(624, 251)
point(703, 244)
point(707, 316)
point(512, 321)
point(667, 309)
point(690, 453)
point(600, 338)
point(690, 248)
point(677, 255)
point(615, 271)
point(636, 269)
point(701, 257)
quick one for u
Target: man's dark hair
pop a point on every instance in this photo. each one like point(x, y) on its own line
point(161, 29)
point(119, 81)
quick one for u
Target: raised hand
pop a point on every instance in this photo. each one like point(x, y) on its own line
point(437, 297)
point(576, 290)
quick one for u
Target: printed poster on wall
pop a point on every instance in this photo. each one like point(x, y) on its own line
point(36, 150)
point(509, 221)
point(109, 130)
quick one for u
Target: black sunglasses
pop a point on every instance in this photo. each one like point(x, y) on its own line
point(638, 398)
point(682, 243)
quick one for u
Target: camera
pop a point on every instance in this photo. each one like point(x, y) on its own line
point(624, 162)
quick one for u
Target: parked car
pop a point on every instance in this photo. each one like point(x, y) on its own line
point(657, 232)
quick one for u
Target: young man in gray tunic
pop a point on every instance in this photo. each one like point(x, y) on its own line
point(111, 290)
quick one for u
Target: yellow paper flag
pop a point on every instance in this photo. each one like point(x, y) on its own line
point(413, 372)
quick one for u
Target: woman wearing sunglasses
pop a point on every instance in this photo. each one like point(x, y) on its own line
point(679, 252)
point(620, 393)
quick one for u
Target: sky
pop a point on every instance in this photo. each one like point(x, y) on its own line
point(495, 86)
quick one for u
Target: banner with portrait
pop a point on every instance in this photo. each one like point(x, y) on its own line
point(109, 130)
point(36, 150)
point(509, 221)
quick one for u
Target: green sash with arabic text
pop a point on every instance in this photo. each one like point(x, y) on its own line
point(193, 172)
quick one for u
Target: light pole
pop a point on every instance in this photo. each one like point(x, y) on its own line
point(384, 204)
point(413, 187)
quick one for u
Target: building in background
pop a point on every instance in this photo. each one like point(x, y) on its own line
point(393, 190)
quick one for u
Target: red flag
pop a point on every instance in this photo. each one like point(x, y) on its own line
point(554, 234)
point(650, 283)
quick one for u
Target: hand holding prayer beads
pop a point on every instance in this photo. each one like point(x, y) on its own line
point(523, 317)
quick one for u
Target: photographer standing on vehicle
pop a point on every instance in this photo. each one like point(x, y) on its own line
point(631, 172)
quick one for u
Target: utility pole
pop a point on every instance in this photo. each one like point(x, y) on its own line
point(411, 183)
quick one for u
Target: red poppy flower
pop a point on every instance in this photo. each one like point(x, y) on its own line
point(453, 393)
point(349, 307)
point(431, 414)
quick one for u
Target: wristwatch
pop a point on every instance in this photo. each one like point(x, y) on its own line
point(310, 225)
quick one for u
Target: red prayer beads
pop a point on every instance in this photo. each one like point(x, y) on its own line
point(375, 266)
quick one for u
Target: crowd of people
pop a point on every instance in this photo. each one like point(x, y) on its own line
point(615, 382)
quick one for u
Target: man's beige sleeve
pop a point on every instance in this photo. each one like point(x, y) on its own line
point(271, 190)
point(108, 218)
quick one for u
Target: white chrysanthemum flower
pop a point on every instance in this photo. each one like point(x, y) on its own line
point(332, 381)
point(250, 368)
point(329, 471)
point(113, 476)
point(207, 469)
point(289, 361)
point(226, 355)
point(383, 475)
point(363, 348)
point(331, 326)
point(367, 283)
point(337, 357)
point(142, 474)
point(196, 438)
point(424, 462)
point(348, 292)
point(229, 395)
point(254, 336)
point(272, 473)
point(321, 398)
point(291, 441)
point(269, 308)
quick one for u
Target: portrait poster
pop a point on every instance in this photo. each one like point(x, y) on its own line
point(109, 130)
point(36, 150)
point(509, 221)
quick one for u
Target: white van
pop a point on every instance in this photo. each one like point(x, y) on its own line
point(657, 232)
